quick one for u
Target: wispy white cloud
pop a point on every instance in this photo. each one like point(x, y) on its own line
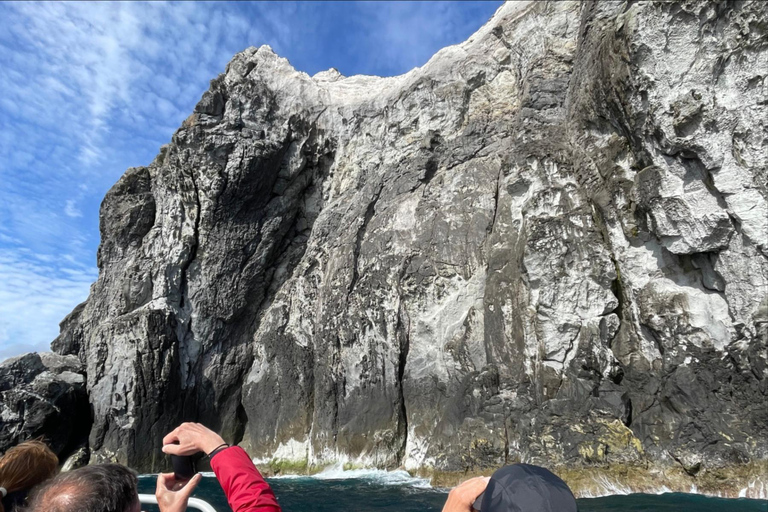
point(37, 293)
point(71, 209)
point(91, 60)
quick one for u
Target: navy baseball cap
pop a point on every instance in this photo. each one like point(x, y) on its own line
point(525, 488)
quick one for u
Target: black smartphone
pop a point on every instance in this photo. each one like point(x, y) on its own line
point(183, 466)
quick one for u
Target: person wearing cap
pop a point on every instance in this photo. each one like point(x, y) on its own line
point(514, 488)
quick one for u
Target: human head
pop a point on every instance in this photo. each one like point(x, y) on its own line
point(98, 488)
point(26, 465)
point(525, 488)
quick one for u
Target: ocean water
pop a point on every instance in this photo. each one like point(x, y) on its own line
point(397, 491)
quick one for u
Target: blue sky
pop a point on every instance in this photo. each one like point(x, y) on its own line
point(90, 89)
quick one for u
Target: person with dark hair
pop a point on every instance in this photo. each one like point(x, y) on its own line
point(513, 488)
point(98, 488)
point(245, 488)
point(23, 467)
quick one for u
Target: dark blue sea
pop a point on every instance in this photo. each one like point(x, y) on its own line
point(378, 491)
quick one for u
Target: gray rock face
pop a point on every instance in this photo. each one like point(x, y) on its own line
point(44, 395)
point(550, 244)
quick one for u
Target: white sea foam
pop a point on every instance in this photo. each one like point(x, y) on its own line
point(337, 472)
point(378, 476)
point(756, 489)
point(605, 487)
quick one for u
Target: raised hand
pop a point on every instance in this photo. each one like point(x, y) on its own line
point(462, 496)
point(190, 438)
point(172, 494)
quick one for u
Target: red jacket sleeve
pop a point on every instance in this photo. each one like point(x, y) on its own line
point(243, 485)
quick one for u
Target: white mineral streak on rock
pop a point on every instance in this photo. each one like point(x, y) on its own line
point(756, 490)
point(291, 450)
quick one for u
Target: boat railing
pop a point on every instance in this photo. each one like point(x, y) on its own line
point(194, 503)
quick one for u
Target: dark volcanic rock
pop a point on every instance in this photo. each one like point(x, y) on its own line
point(44, 395)
point(550, 243)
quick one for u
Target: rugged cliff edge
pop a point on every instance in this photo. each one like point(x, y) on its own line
point(44, 395)
point(549, 244)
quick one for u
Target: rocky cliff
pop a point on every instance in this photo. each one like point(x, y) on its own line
point(549, 244)
point(44, 395)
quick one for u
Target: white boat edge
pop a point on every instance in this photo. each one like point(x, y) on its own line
point(194, 503)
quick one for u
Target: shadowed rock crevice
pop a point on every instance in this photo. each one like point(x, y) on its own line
point(403, 332)
point(370, 211)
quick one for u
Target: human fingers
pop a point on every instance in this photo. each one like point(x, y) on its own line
point(162, 479)
point(184, 429)
point(169, 482)
point(180, 441)
point(467, 492)
point(189, 438)
point(163, 491)
point(479, 482)
point(172, 436)
point(174, 449)
point(189, 487)
point(200, 436)
point(475, 486)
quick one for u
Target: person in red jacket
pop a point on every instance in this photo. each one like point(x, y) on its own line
point(243, 485)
